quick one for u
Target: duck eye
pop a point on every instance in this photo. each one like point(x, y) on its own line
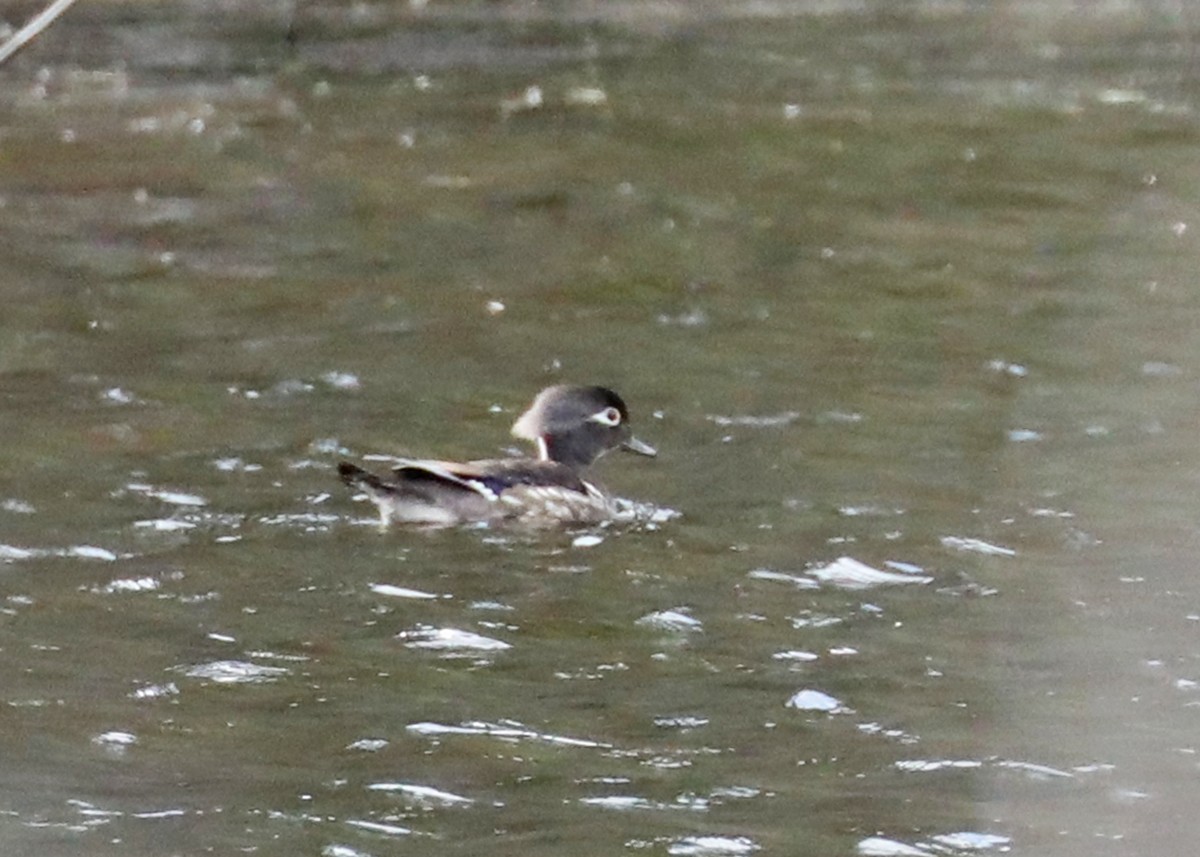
point(608, 417)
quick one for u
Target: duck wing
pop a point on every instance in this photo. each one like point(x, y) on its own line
point(492, 477)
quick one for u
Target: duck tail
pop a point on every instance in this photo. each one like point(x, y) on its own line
point(356, 477)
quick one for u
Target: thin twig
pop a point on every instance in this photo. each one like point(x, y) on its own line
point(31, 30)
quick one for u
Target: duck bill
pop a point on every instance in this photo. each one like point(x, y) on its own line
point(632, 444)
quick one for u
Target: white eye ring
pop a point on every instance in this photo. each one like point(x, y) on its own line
point(610, 417)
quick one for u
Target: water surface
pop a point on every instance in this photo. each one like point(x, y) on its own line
point(913, 288)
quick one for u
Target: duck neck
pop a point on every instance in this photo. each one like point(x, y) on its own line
point(569, 450)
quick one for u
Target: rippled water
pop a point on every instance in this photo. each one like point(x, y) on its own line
point(904, 295)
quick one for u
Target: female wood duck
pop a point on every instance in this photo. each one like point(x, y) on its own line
point(572, 427)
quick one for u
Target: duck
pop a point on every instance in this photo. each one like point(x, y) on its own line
point(570, 425)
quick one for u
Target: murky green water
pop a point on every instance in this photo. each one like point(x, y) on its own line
point(911, 285)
